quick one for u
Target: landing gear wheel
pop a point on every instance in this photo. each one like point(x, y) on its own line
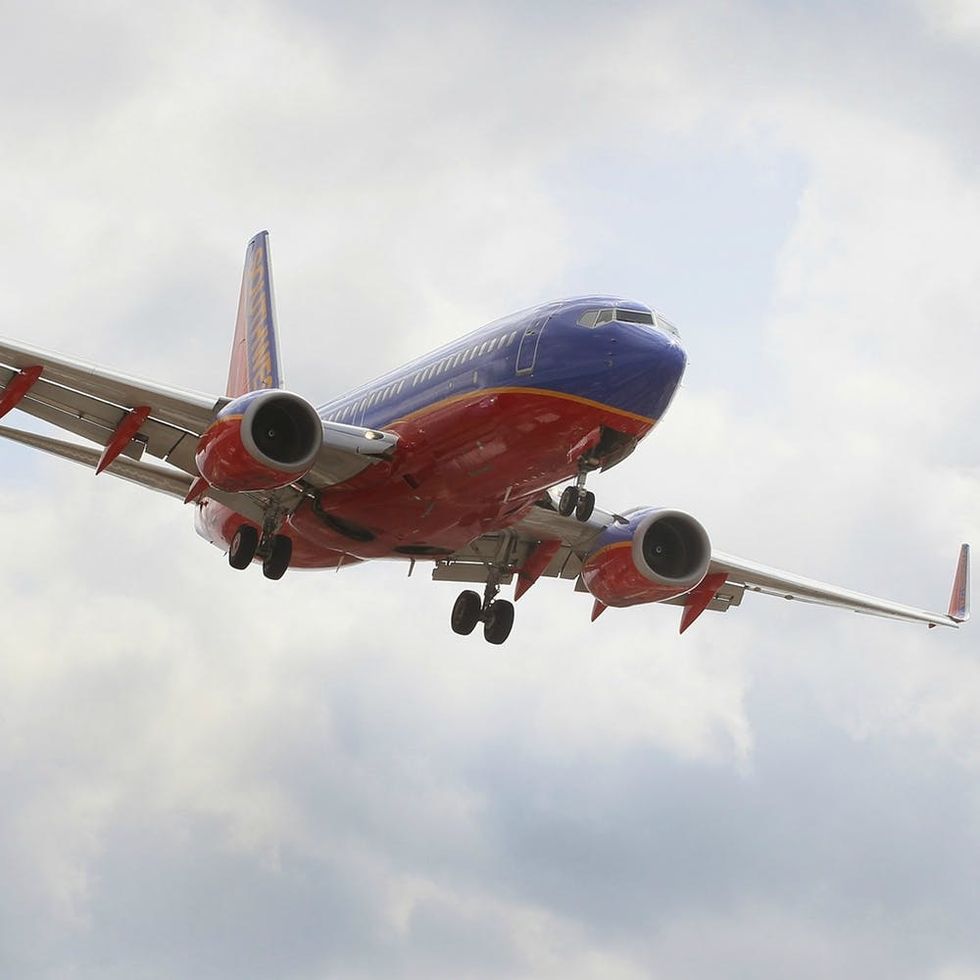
point(499, 621)
point(585, 505)
point(277, 561)
point(466, 612)
point(568, 501)
point(243, 546)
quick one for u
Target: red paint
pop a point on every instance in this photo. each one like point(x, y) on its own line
point(585, 445)
point(225, 463)
point(218, 523)
point(534, 566)
point(612, 576)
point(123, 435)
point(959, 600)
point(448, 480)
point(18, 386)
point(700, 598)
point(196, 489)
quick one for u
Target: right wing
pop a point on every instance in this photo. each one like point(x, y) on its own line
point(546, 544)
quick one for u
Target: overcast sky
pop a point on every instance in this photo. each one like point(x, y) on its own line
point(204, 774)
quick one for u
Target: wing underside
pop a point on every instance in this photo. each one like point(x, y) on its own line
point(568, 543)
point(130, 419)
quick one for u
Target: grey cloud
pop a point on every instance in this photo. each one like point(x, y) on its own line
point(206, 774)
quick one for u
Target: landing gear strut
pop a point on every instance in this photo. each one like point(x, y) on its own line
point(576, 498)
point(497, 615)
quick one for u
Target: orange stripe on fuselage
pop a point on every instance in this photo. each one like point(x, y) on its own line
point(476, 393)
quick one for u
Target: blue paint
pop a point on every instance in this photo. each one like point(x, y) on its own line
point(628, 366)
point(618, 533)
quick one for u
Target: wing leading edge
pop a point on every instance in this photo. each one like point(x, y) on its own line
point(753, 577)
point(727, 579)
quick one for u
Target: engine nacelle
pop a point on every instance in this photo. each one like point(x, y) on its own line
point(657, 555)
point(260, 441)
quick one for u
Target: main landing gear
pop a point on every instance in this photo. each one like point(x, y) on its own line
point(577, 499)
point(276, 549)
point(497, 615)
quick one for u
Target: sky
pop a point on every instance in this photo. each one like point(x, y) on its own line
point(205, 774)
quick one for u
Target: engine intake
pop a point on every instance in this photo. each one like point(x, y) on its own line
point(260, 441)
point(282, 430)
point(659, 554)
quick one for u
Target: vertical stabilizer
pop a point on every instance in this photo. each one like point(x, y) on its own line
point(255, 360)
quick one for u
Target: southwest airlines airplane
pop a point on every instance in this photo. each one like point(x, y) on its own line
point(450, 459)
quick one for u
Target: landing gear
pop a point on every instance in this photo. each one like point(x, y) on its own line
point(466, 612)
point(497, 615)
point(243, 547)
point(498, 621)
point(275, 550)
point(585, 506)
point(577, 499)
point(277, 560)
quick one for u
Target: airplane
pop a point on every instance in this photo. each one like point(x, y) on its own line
point(452, 459)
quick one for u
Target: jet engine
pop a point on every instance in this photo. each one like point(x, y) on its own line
point(658, 554)
point(260, 441)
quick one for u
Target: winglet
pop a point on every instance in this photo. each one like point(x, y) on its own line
point(959, 601)
point(255, 360)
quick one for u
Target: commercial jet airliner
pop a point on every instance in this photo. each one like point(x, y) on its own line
point(450, 460)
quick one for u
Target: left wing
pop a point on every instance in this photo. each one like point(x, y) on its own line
point(546, 544)
point(130, 417)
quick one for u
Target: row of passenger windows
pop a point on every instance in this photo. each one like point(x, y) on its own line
point(352, 412)
point(463, 357)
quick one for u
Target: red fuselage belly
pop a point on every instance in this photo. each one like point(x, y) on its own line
point(465, 467)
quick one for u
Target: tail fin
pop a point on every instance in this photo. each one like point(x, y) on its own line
point(255, 360)
point(959, 601)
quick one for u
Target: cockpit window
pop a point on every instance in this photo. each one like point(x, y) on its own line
point(665, 324)
point(634, 316)
point(595, 318)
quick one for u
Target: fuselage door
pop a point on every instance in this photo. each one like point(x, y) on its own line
point(528, 352)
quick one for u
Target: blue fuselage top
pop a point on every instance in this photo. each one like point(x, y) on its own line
point(610, 351)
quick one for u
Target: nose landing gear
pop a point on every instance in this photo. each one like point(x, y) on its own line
point(497, 615)
point(577, 499)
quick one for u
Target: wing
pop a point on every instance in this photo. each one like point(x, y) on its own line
point(744, 575)
point(546, 544)
point(131, 418)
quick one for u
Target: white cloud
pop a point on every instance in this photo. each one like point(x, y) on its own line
point(203, 771)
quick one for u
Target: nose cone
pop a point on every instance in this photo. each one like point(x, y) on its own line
point(644, 370)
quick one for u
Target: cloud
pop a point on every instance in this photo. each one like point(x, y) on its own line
point(205, 773)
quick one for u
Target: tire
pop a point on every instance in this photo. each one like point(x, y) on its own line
point(277, 561)
point(499, 621)
point(585, 506)
point(243, 545)
point(567, 501)
point(466, 612)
